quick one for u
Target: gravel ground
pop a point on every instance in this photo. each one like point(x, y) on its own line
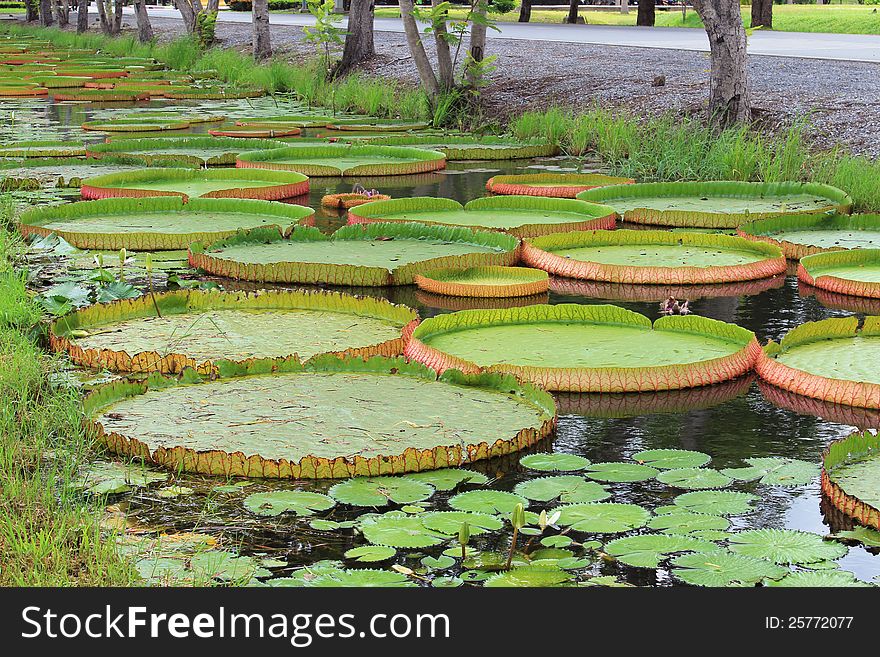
point(841, 100)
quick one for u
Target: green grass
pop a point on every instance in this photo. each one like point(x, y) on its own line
point(837, 19)
point(49, 535)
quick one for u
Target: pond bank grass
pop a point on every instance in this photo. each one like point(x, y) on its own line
point(49, 535)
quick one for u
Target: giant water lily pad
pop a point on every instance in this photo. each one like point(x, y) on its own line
point(372, 255)
point(345, 160)
point(801, 235)
point(855, 272)
point(332, 417)
point(298, 502)
point(31, 149)
point(595, 348)
point(134, 125)
point(206, 183)
point(832, 359)
point(559, 185)
point(484, 282)
point(468, 148)
point(648, 550)
point(191, 151)
point(284, 120)
point(602, 517)
point(654, 257)
point(520, 215)
point(785, 546)
point(201, 329)
point(723, 568)
point(716, 204)
point(160, 223)
point(850, 475)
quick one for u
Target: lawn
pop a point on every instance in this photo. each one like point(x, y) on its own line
point(839, 19)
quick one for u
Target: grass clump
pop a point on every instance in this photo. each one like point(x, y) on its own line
point(49, 535)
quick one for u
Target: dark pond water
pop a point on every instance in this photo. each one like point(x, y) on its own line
point(730, 422)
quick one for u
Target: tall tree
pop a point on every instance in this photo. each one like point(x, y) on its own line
point(359, 44)
point(145, 28)
point(82, 16)
point(645, 16)
point(477, 50)
point(62, 12)
point(762, 13)
point(525, 11)
point(45, 13)
point(417, 50)
point(729, 94)
point(624, 6)
point(261, 40)
point(110, 16)
point(32, 10)
point(572, 12)
point(191, 11)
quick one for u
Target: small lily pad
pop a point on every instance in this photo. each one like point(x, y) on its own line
point(556, 541)
point(819, 579)
point(672, 459)
point(864, 535)
point(716, 502)
point(568, 488)
point(620, 472)
point(450, 522)
point(774, 471)
point(685, 522)
point(723, 568)
point(554, 462)
point(370, 553)
point(446, 582)
point(529, 576)
point(438, 563)
point(785, 546)
point(648, 550)
point(380, 491)
point(487, 501)
point(603, 517)
point(694, 478)
point(398, 530)
point(174, 491)
point(300, 503)
point(449, 478)
point(106, 478)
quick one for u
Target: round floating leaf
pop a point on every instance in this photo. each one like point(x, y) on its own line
point(672, 459)
point(685, 522)
point(226, 566)
point(556, 541)
point(446, 582)
point(529, 576)
point(380, 491)
point(550, 554)
point(723, 568)
point(449, 522)
point(605, 580)
point(554, 462)
point(438, 563)
point(785, 546)
point(776, 471)
point(337, 577)
point(400, 531)
point(648, 550)
point(717, 503)
point(710, 534)
point(330, 525)
point(694, 478)
point(487, 501)
point(603, 517)
point(864, 535)
point(370, 553)
point(174, 491)
point(819, 579)
point(106, 478)
point(449, 478)
point(274, 503)
point(569, 488)
point(621, 472)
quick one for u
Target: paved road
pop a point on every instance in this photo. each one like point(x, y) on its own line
point(846, 47)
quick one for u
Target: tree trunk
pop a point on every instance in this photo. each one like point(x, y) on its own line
point(359, 45)
point(82, 16)
point(645, 16)
point(145, 28)
point(186, 12)
point(478, 43)
point(117, 18)
point(445, 71)
point(102, 16)
point(762, 13)
point(417, 50)
point(572, 11)
point(62, 12)
point(624, 6)
point(525, 11)
point(261, 42)
point(729, 97)
point(45, 13)
point(32, 10)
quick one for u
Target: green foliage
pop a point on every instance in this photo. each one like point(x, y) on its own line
point(648, 550)
point(694, 478)
point(718, 503)
point(449, 478)
point(398, 530)
point(324, 34)
point(603, 517)
point(529, 576)
point(111, 477)
point(567, 488)
point(775, 471)
point(819, 579)
point(670, 459)
point(300, 503)
point(370, 553)
point(614, 471)
point(723, 568)
point(554, 462)
point(380, 491)
point(486, 501)
point(785, 546)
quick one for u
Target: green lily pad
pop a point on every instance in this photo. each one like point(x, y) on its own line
point(321, 525)
point(672, 459)
point(370, 553)
point(568, 488)
point(776, 471)
point(449, 478)
point(819, 579)
point(529, 576)
point(446, 582)
point(620, 472)
point(554, 462)
point(438, 563)
point(487, 501)
point(163, 571)
point(274, 503)
point(449, 522)
point(605, 580)
point(226, 566)
point(694, 478)
point(603, 517)
point(686, 522)
point(716, 502)
point(648, 550)
point(107, 478)
point(723, 568)
point(864, 535)
point(337, 577)
point(174, 491)
point(556, 541)
point(785, 546)
point(380, 491)
point(399, 530)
